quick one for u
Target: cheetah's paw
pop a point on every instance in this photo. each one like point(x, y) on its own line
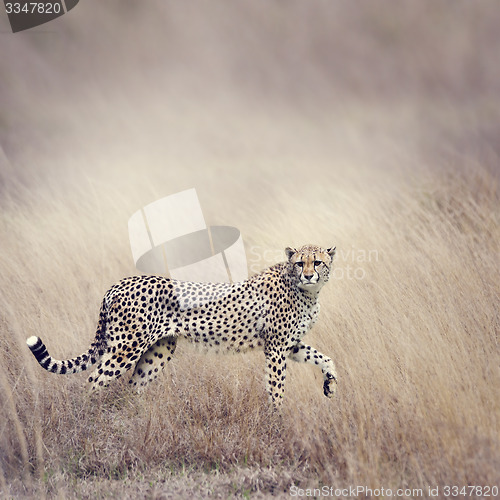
point(330, 385)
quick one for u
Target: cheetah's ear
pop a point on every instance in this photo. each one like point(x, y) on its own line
point(289, 252)
point(331, 251)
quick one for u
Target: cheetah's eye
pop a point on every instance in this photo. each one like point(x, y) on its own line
point(299, 264)
point(318, 262)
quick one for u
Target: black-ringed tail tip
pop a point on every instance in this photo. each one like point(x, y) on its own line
point(34, 343)
point(39, 350)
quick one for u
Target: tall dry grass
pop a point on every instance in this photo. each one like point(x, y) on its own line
point(415, 341)
point(372, 132)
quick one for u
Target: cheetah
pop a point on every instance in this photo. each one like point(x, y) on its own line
point(142, 318)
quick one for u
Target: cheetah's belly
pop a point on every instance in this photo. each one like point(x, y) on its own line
point(231, 334)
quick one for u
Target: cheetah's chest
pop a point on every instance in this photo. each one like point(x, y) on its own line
point(308, 318)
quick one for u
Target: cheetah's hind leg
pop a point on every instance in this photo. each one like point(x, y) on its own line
point(152, 362)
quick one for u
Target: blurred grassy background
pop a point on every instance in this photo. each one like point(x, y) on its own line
point(373, 127)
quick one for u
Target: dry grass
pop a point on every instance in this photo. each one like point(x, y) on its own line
point(373, 133)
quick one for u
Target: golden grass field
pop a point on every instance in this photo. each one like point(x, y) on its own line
point(373, 127)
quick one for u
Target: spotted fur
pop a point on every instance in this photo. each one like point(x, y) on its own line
point(142, 318)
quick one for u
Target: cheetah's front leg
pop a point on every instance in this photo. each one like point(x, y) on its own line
point(275, 374)
point(304, 353)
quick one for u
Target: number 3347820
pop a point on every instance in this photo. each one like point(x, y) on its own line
point(33, 8)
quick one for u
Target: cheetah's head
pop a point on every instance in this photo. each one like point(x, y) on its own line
point(310, 266)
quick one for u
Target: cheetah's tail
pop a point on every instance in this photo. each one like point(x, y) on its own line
point(73, 365)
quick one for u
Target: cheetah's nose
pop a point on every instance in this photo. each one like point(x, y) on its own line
point(308, 277)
